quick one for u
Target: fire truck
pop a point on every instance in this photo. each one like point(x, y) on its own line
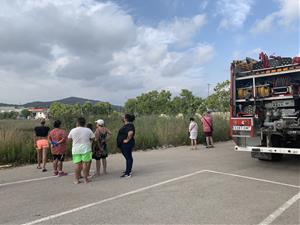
point(265, 106)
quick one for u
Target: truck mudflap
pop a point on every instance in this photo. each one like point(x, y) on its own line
point(291, 151)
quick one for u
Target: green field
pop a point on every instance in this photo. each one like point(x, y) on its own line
point(152, 132)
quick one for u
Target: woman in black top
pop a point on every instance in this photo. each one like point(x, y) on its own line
point(126, 142)
point(41, 144)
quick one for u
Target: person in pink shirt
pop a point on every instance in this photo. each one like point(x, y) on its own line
point(207, 123)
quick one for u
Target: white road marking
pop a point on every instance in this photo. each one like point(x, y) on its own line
point(267, 221)
point(30, 180)
point(112, 198)
point(280, 210)
point(35, 179)
point(253, 178)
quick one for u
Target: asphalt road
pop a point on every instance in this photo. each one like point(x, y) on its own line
point(170, 186)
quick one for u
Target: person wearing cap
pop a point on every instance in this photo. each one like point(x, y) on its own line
point(41, 144)
point(100, 152)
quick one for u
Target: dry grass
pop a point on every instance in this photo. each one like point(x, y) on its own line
point(16, 144)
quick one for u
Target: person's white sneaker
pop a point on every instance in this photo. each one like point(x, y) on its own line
point(126, 175)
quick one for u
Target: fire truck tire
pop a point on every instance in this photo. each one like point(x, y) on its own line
point(270, 157)
point(266, 156)
point(276, 157)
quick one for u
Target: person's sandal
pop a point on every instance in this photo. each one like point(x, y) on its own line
point(91, 176)
point(62, 173)
point(44, 170)
point(55, 173)
point(86, 181)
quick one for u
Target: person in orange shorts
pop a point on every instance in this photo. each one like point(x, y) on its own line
point(41, 144)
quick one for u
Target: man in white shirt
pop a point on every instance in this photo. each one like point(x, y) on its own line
point(193, 130)
point(81, 149)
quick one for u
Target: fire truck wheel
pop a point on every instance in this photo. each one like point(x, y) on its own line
point(269, 157)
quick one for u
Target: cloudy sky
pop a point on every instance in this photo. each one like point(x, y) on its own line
point(114, 50)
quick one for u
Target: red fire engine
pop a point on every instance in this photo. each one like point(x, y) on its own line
point(265, 106)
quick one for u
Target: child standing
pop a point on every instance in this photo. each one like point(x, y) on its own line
point(193, 130)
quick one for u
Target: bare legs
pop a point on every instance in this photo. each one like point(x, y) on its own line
point(78, 168)
point(55, 163)
point(60, 166)
point(209, 142)
point(84, 167)
point(39, 158)
point(98, 166)
point(42, 156)
point(104, 163)
point(89, 167)
point(45, 151)
point(57, 166)
point(193, 144)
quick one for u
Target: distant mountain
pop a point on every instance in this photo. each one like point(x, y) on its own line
point(6, 105)
point(69, 101)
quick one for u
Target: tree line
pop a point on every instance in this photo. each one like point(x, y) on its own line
point(58, 110)
point(87, 109)
point(8, 115)
point(151, 103)
point(162, 102)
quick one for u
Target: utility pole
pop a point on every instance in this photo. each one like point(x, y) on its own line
point(208, 89)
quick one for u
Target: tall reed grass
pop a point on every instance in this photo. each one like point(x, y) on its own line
point(16, 142)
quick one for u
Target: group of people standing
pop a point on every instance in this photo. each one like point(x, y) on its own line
point(87, 144)
point(207, 124)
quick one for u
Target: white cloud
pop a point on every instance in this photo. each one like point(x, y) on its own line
point(289, 12)
point(95, 50)
point(183, 29)
point(253, 53)
point(204, 53)
point(233, 12)
point(287, 16)
point(264, 25)
point(203, 5)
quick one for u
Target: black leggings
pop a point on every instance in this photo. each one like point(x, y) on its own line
point(127, 153)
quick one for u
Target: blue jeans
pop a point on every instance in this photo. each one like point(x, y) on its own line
point(127, 153)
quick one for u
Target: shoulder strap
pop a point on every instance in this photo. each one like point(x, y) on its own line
point(208, 123)
point(193, 126)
